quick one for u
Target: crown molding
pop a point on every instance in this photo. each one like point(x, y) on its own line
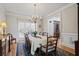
point(59, 10)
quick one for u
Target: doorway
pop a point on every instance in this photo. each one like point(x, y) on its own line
point(57, 28)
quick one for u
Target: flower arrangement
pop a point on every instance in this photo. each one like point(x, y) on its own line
point(34, 33)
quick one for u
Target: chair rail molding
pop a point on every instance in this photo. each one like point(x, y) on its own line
point(68, 39)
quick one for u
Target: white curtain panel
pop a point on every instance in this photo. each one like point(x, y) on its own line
point(25, 27)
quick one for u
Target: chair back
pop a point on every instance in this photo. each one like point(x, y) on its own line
point(26, 39)
point(27, 42)
point(45, 34)
point(9, 42)
point(51, 44)
point(40, 33)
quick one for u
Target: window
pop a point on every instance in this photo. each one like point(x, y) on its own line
point(25, 27)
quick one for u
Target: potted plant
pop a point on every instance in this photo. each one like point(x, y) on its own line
point(34, 33)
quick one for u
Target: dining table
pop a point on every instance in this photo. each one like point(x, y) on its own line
point(36, 41)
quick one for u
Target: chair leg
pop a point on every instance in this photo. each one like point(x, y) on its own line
point(46, 54)
point(55, 53)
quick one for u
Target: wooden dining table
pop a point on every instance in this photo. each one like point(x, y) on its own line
point(36, 41)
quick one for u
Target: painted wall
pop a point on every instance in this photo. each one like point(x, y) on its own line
point(2, 16)
point(68, 24)
point(12, 25)
point(40, 25)
point(69, 19)
point(2, 13)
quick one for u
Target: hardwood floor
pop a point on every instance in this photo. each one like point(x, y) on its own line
point(64, 47)
point(13, 50)
point(14, 45)
point(70, 50)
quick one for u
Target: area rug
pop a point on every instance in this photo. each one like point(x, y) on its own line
point(22, 50)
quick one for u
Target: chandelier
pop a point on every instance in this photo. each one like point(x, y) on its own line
point(35, 17)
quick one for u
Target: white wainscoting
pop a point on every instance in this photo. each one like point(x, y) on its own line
point(68, 39)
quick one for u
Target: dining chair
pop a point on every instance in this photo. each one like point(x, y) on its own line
point(40, 33)
point(44, 33)
point(27, 42)
point(10, 41)
point(50, 47)
point(11, 37)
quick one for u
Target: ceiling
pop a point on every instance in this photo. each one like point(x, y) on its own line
point(27, 8)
